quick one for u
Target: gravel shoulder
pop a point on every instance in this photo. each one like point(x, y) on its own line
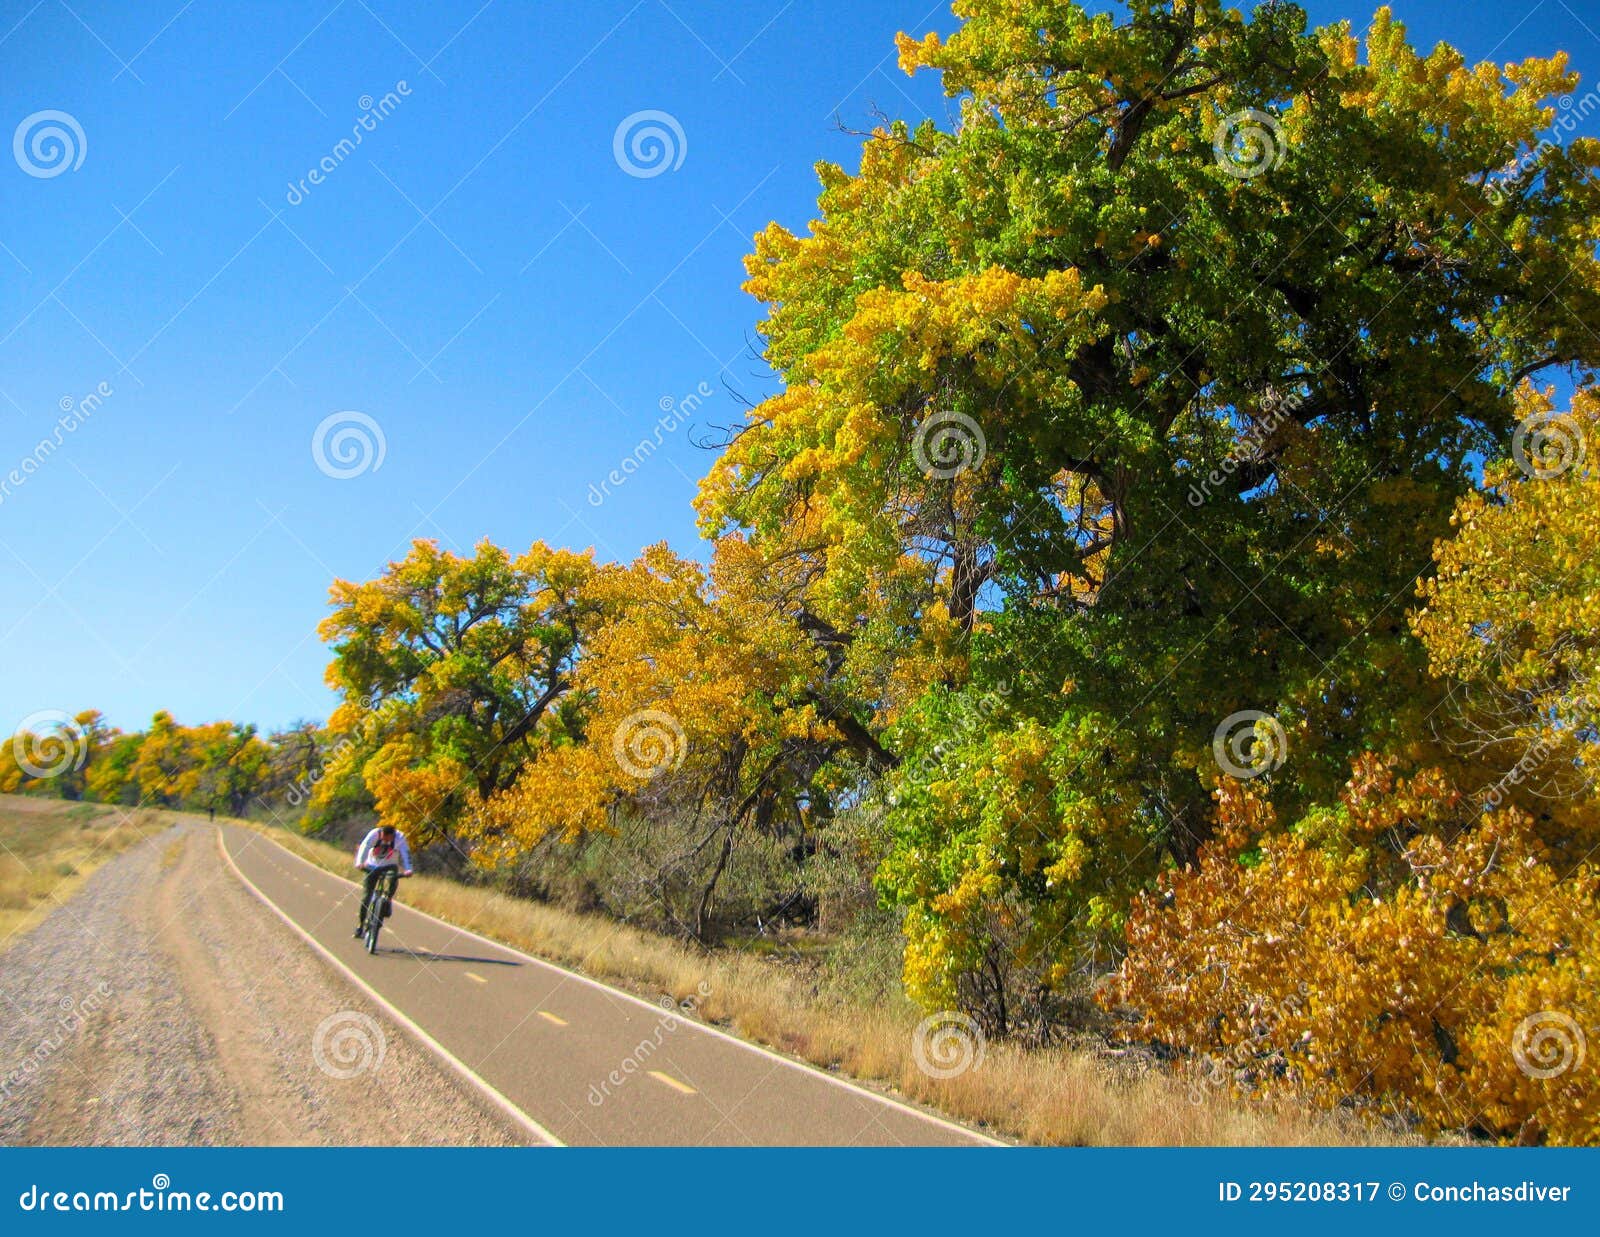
point(164, 1005)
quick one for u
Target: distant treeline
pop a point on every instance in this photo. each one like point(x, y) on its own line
point(219, 766)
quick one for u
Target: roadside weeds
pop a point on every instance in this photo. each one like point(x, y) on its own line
point(49, 847)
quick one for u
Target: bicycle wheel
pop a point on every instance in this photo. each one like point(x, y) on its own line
point(382, 894)
point(374, 919)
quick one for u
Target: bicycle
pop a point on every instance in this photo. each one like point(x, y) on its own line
point(381, 907)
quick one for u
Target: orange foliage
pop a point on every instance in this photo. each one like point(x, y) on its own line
point(1401, 950)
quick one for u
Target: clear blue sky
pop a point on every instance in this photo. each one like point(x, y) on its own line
point(478, 276)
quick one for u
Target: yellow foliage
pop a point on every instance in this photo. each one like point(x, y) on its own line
point(1424, 958)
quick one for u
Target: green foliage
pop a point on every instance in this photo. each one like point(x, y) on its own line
point(1220, 399)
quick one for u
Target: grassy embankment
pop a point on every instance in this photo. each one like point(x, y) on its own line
point(49, 846)
point(1058, 1096)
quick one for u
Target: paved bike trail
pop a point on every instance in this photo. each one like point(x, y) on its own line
point(585, 1063)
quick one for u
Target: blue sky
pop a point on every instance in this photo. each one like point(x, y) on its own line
point(479, 277)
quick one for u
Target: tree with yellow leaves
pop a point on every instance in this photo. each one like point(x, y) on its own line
point(454, 672)
point(218, 766)
point(1428, 943)
point(1148, 387)
point(1513, 616)
point(1407, 950)
point(706, 695)
point(57, 756)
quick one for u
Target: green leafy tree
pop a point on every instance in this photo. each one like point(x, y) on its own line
point(1165, 366)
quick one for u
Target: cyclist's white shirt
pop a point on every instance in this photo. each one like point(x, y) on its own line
point(399, 854)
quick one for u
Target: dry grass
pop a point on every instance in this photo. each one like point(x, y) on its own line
point(1060, 1096)
point(49, 846)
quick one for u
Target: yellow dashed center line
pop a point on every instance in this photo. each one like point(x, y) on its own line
point(671, 1082)
point(549, 1017)
point(478, 978)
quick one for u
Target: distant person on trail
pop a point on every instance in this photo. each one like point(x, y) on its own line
point(382, 850)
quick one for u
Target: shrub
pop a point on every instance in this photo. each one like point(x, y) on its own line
point(1403, 949)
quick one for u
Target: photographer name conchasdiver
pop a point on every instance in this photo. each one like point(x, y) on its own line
point(1477, 1192)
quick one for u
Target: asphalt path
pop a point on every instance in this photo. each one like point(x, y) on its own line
point(567, 1058)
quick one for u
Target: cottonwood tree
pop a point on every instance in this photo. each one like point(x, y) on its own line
point(1158, 373)
point(453, 672)
point(704, 701)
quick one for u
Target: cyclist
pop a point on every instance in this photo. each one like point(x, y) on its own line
point(383, 850)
